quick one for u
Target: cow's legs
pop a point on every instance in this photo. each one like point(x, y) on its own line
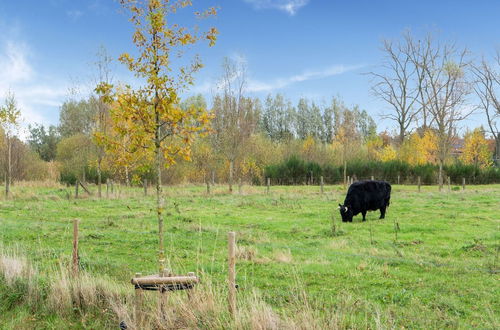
point(382, 212)
point(364, 215)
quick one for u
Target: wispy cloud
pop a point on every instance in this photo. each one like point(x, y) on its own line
point(263, 86)
point(14, 66)
point(259, 86)
point(289, 6)
point(33, 92)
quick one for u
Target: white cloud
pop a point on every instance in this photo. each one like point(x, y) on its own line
point(34, 94)
point(256, 86)
point(289, 6)
point(260, 86)
point(14, 66)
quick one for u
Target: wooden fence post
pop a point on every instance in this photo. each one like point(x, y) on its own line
point(107, 188)
point(418, 184)
point(398, 179)
point(348, 181)
point(75, 247)
point(208, 187)
point(76, 188)
point(239, 186)
point(145, 184)
point(463, 183)
point(138, 304)
point(232, 273)
point(321, 184)
point(372, 178)
point(268, 184)
point(449, 184)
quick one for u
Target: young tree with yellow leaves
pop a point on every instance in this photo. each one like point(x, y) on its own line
point(475, 151)
point(9, 122)
point(157, 125)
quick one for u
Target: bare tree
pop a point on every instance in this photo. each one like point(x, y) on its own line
point(103, 76)
point(487, 88)
point(445, 90)
point(236, 116)
point(420, 53)
point(398, 84)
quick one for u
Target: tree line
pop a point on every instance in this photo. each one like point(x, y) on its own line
point(428, 87)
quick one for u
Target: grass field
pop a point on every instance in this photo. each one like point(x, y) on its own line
point(441, 271)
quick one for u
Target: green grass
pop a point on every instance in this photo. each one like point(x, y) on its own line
point(441, 272)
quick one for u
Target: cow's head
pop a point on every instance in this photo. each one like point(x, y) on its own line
point(345, 213)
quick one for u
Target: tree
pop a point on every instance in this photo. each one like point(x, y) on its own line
point(398, 85)
point(101, 111)
point(277, 118)
point(74, 154)
point(44, 141)
point(476, 151)
point(77, 117)
point(445, 90)
point(235, 116)
point(419, 150)
point(9, 121)
point(487, 89)
point(159, 125)
point(303, 119)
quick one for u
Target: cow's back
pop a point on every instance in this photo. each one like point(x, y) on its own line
point(368, 195)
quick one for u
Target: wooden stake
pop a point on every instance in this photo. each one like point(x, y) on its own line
point(418, 184)
point(398, 179)
point(75, 247)
point(348, 180)
point(138, 304)
point(321, 184)
point(449, 184)
point(145, 184)
point(76, 188)
point(232, 273)
point(268, 184)
point(208, 187)
point(463, 183)
point(372, 178)
point(239, 186)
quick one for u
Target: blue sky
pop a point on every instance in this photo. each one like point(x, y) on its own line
point(300, 48)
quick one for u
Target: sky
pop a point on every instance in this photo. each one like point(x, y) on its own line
point(300, 48)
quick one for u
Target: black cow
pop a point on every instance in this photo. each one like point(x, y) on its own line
point(365, 196)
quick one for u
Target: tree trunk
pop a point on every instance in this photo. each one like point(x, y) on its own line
point(127, 179)
point(99, 178)
point(8, 176)
point(159, 204)
point(440, 175)
point(345, 173)
point(497, 150)
point(231, 169)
